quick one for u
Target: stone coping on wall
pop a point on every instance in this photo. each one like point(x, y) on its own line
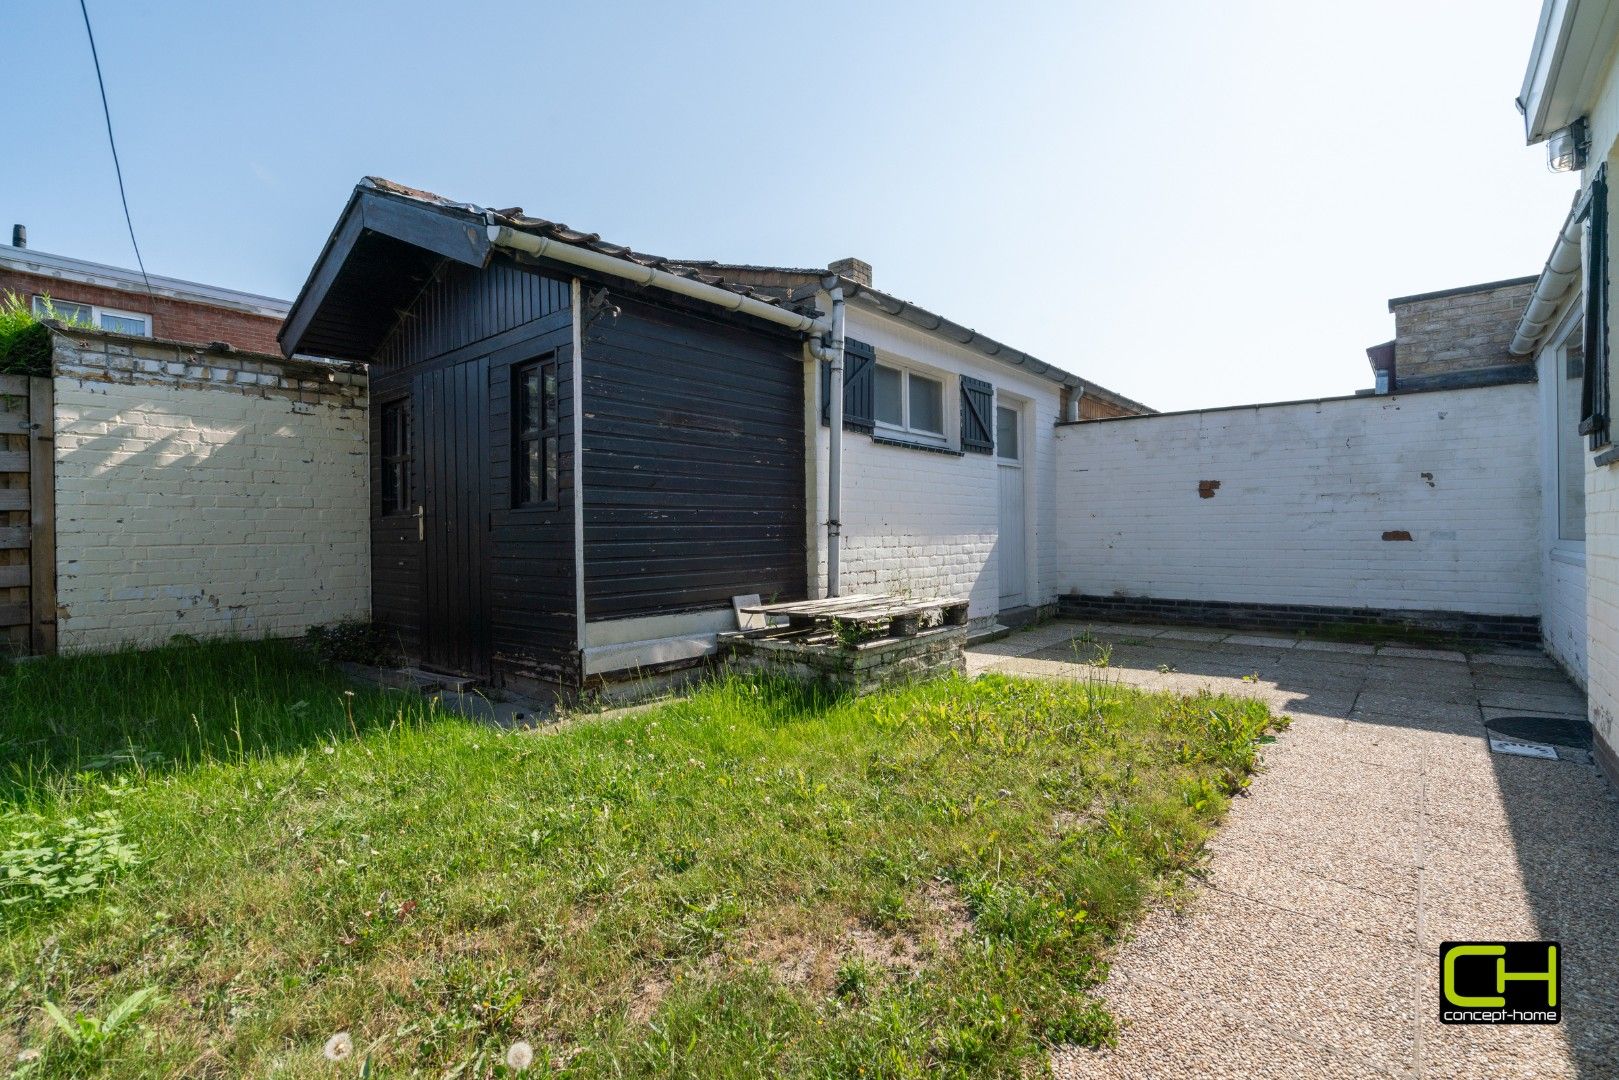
point(103, 356)
point(1384, 399)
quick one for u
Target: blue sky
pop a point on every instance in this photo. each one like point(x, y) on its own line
point(1193, 203)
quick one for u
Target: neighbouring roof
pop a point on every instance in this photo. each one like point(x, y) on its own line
point(388, 243)
point(84, 272)
point(777, 278)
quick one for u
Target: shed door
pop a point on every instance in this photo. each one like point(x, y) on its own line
point(1012, 563)
point(453, 406)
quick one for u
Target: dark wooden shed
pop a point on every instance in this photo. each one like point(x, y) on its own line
point(571, 474)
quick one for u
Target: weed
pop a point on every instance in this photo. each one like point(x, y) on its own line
point(89, 1036)
point(356, 641)
point(49, 862)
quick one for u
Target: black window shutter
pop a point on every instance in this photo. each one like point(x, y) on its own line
point(859, 386)
point(1594, 389)
point(977, 416)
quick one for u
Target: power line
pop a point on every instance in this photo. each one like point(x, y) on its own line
point(117, 168)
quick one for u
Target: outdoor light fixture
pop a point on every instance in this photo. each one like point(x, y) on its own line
point(1565, 151)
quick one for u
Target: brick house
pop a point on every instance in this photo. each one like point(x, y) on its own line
point(121, 301)
point(1453, 338)
point(171, 472)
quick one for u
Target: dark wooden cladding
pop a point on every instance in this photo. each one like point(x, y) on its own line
point(532, 605)
point(476, 586)
point(463, 305)
point(694, 463)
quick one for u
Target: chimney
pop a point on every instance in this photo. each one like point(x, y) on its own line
point(854, 269)
point(19, 236)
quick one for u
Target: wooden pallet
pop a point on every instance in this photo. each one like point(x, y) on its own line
point(871, 612)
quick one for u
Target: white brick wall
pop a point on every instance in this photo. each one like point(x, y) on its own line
point(1306, 493)
point(206, 510)
point(1602, 483)
point(924, 524)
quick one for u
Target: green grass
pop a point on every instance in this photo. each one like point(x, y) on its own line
point(750, 881)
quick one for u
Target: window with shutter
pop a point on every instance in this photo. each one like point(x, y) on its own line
point(859, 387)
point(977, 416)
point(1594, 390)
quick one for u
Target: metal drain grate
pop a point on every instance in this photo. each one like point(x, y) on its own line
point(1522, 749)
point(1540, 737)
point(1557, 730)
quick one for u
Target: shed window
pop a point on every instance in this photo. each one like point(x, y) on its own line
point(396, 457)
point(910, 403)
point(534, 434)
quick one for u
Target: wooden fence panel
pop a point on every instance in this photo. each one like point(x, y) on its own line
point(27, 516)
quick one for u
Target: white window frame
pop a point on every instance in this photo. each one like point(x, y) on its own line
point(1560, 340)
point(905, 431)
point(96, 312)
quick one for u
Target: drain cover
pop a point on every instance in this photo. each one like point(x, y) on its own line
point(1575, 734)
point(1522, 749)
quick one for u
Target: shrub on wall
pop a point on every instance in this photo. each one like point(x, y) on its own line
point(25, 341)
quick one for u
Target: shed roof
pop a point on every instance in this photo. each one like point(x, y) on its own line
point(390, 240)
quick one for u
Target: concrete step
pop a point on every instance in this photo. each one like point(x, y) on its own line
point(992, 632)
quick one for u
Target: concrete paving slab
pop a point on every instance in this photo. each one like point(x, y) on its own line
point(1497, 712)
point(1166, 1034)
point(1351, 648)
point(1374, 901)
point(1533, 703)
point(1264, 641)
point(1324, 984)
point(1194, 635)
point(1115, 630)
point(1515, 659)
point(1448, 655)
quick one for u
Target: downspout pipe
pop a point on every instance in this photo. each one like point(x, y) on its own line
point(833, 353)
point(1562, 268)
point(542, 247)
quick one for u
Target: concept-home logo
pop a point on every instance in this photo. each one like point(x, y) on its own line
point(1499, 982)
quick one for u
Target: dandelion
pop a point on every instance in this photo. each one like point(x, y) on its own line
point(520, 1056)
point(339, 1046)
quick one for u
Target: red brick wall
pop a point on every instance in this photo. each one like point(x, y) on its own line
point(176, 320)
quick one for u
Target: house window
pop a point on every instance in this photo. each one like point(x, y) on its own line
point(396, 457)
point(910, 403)
point(132, 323)
point(534, 434)
point(1569, 373)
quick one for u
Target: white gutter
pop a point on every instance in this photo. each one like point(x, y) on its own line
point(1562, 269)
point(587, 259)
point(543, 247)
